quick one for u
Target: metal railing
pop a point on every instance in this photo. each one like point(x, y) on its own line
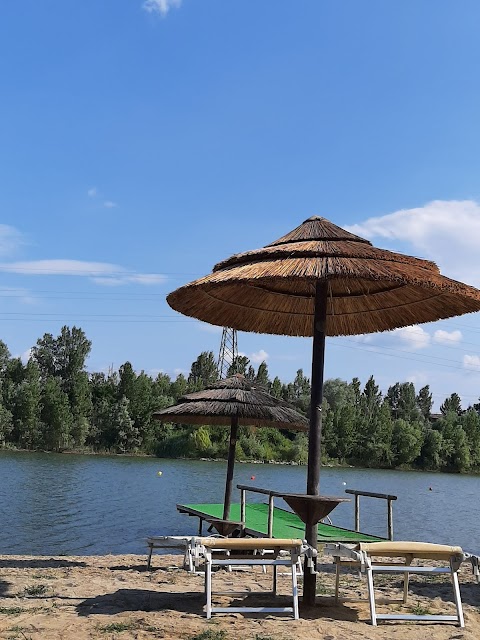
point(369, 494)
point(273, 494)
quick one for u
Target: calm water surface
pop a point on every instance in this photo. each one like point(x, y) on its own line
point(80, 505)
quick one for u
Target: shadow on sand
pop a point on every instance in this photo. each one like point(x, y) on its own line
point(141, 600)
point(4, 588)
point(38, 563)
point(470, 592)
point(193, 603)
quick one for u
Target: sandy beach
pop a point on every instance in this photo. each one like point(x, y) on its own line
point(79, 597)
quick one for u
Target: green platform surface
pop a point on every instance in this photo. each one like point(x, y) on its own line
point(285, 523)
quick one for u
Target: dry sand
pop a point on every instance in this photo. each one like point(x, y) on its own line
point(116, 597)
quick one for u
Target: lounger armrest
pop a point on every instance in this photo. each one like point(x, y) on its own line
point(475, 562)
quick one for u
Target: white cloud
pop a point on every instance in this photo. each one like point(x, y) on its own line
point(21, 294)
point(138, 278)
point(25, 356)
point(363, 338)
point(471, 363)
point(414, 337)
point(108, 281)
point(179, 371)
point(446, 337)
point(209, 328)
point(155, 372)
point(94, 193)
point(259, 357)
point(446, 231)
point(10, 240)
point(60, 267)
point(418, 378)
point(160, 6)
point(146, 278)
point(102, 273)
point(288, 357)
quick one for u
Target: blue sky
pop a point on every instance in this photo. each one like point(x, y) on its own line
point(142, 142)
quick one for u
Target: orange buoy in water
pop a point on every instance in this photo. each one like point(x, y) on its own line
point(252, 477)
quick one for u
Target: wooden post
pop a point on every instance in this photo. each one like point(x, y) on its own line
point(390, 519)
point(315, 430)
point(230, 466)
point(243, 506)
point(357, 512)
point(270, 516)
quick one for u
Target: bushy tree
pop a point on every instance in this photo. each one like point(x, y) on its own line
point(55, 415)
point(104, 394)
point(200, 441)
point(407, 440)
point(179, 387)
point(452, 404)
point(64, 356)
point(338, 393)
point(470, 422)
point(63, 359)
point(373, 442)
point(240, 365)
point(425, 402)
point(203, 371)
point(261, 377)
point(403, 402)
point(127, 436)
point(455, 454)
point(432, 450)
point(276, 388)
point(27, 421)
point(345, 428)
point(5, 424)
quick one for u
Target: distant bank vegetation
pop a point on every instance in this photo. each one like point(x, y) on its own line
point(52, 403)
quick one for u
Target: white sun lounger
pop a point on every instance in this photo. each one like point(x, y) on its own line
point(182, 543)
point(214, 551)
point(361, 556)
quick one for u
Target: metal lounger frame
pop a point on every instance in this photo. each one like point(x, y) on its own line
point(210, 552)
point(363, 561)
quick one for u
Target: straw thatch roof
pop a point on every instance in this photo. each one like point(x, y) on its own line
point(234, 397)
point(272, 290)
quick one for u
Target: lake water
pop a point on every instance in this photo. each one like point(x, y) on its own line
point(87, 505)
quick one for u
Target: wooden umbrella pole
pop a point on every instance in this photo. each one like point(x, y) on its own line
point(230, 467)
point(315, 432)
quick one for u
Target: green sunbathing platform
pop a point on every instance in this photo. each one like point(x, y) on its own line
point(285, 523)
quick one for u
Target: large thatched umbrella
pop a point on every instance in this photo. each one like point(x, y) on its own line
point(236, 402)
point(321, 280)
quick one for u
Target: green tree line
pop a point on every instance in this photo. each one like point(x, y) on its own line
point(52, 403)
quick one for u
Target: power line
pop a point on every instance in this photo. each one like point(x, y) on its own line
point(94, 315)
point(88, 319)
point(87, 273)
point(402, 357)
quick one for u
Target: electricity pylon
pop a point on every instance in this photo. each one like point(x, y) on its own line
point(228, 352)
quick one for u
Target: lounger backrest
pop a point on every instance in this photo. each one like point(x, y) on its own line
point(250, 543)
point(415, 549)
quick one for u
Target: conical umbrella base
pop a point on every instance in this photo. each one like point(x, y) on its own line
point(226, 527)
point(312, 509)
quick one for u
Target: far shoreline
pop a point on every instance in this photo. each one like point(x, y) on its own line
point(330, 464)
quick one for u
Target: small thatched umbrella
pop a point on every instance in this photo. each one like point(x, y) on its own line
point(321, 280)
point(236, 402)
